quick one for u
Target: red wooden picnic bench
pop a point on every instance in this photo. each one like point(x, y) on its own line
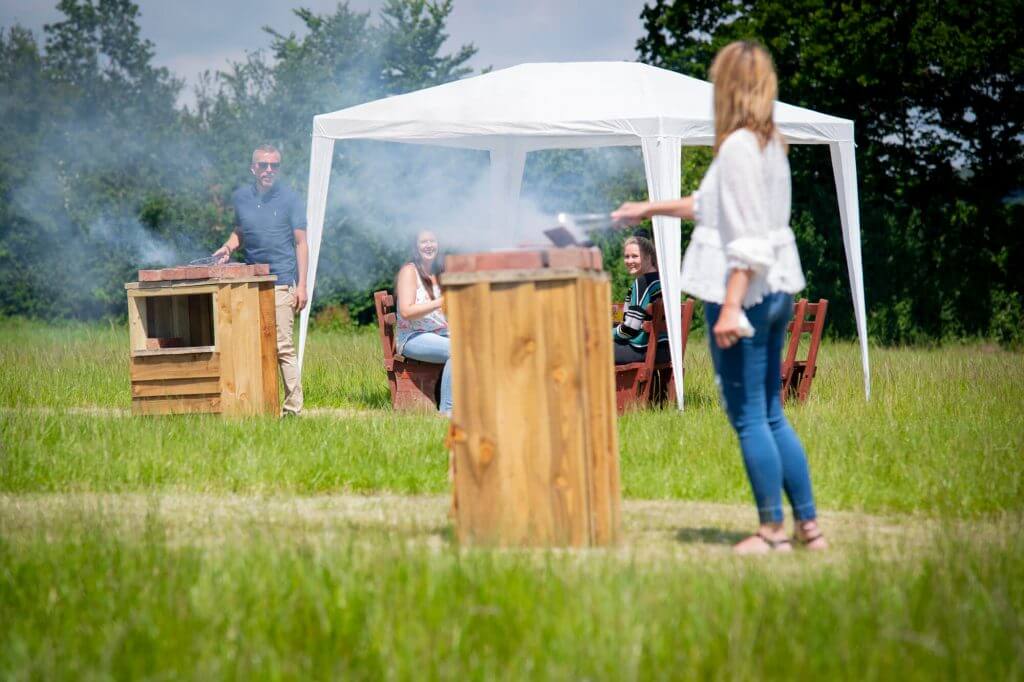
point(637, 384)
point(414, 385)
point(808, 318)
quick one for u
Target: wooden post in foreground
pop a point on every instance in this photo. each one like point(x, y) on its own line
point(533, 432)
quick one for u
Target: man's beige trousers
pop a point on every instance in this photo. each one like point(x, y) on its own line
point(287, 360)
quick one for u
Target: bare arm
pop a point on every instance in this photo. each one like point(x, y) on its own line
point(302, 259)
point(632, 212)
point(405, 288)
point(230, 246)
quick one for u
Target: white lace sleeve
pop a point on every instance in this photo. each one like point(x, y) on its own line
point(743, 204)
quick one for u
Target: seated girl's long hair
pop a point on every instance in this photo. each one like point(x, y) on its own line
point(421, 270)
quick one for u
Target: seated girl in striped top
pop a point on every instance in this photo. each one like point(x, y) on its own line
point(630, 338)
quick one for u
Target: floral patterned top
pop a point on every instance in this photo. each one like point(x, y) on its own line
point(434, 321)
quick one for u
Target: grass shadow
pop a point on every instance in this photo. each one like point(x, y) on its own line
point(709, 536)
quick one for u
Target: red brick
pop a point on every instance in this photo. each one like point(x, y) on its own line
point(569, 258)
point(261, 269)
point(197, 272)
point(168, 274)
point(509, 260)
point(232, 271)
point(149, 275)
point(460, 262)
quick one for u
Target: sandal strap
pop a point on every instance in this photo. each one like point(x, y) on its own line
point(774, 544)
point(809, 539)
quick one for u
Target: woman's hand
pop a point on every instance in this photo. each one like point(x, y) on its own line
point(631, 212)
point(727, 329)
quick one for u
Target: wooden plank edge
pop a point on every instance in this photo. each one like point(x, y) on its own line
point(186, 283)
point(185, 350)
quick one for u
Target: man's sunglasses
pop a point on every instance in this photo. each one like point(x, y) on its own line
point(268, 165)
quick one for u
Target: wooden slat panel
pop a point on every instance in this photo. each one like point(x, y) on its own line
point(171, 387)
point(474, 434)
point(180, 319)
point(245, 351)
point(136, 323)
point(205, 324)
point(522, 407)
point(190, 366)
point(157, 290)
point(565, 424)
point(225, 339)
point(600, 392)
point(268, 349)
point(160, 323)
point(183, 350)
point(179, 405)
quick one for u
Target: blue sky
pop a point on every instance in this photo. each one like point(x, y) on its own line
point(194, 35)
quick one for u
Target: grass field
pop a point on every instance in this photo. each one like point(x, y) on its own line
point(201, 548)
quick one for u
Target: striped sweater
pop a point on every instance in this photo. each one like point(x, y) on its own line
point(644, 290)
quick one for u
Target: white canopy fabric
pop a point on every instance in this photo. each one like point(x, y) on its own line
point(531, 107)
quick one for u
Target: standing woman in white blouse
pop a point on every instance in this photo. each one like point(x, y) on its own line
point(743, 263)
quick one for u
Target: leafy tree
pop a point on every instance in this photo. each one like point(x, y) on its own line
point(87, 114)
point(936, 92)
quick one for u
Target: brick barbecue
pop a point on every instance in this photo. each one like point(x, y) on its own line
point(191, 272)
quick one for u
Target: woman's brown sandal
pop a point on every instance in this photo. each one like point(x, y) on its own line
point(774, 544)
point(806, 541)
point(783, 545)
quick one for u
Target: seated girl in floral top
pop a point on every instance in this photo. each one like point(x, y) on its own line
point(421, 327)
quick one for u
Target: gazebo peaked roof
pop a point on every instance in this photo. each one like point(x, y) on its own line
point(511, 112)
point(582, 104)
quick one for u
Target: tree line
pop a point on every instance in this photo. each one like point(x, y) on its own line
point(103, 172)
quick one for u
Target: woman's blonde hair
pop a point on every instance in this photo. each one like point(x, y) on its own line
point(745, 90)
point(646, 247)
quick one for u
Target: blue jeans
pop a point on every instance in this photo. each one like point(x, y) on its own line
point(436, 348)
point(749, 378)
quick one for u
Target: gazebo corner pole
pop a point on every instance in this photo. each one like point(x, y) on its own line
point(663, 168)
point(320, 159)
point(844, 170)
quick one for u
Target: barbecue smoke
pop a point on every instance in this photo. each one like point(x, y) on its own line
point(383, 194)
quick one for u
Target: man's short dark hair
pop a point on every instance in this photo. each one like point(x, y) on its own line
point(265, 149)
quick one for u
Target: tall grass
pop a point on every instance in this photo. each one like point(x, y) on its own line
point(942, 434)
point(91, 601)
point(87, 592)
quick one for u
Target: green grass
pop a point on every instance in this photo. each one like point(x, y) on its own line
point(942, 433)
point(89, 599)
point(90, 592)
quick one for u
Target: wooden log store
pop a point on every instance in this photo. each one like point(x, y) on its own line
point(203, 340)
point(533, 436)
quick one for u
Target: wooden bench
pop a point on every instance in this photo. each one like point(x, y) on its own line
point(637, 384)
point(414, 385)
point(808, 318)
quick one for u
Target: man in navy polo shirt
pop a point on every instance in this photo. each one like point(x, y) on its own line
point(270, 221)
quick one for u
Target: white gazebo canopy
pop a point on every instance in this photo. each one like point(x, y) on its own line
point(573, 105)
